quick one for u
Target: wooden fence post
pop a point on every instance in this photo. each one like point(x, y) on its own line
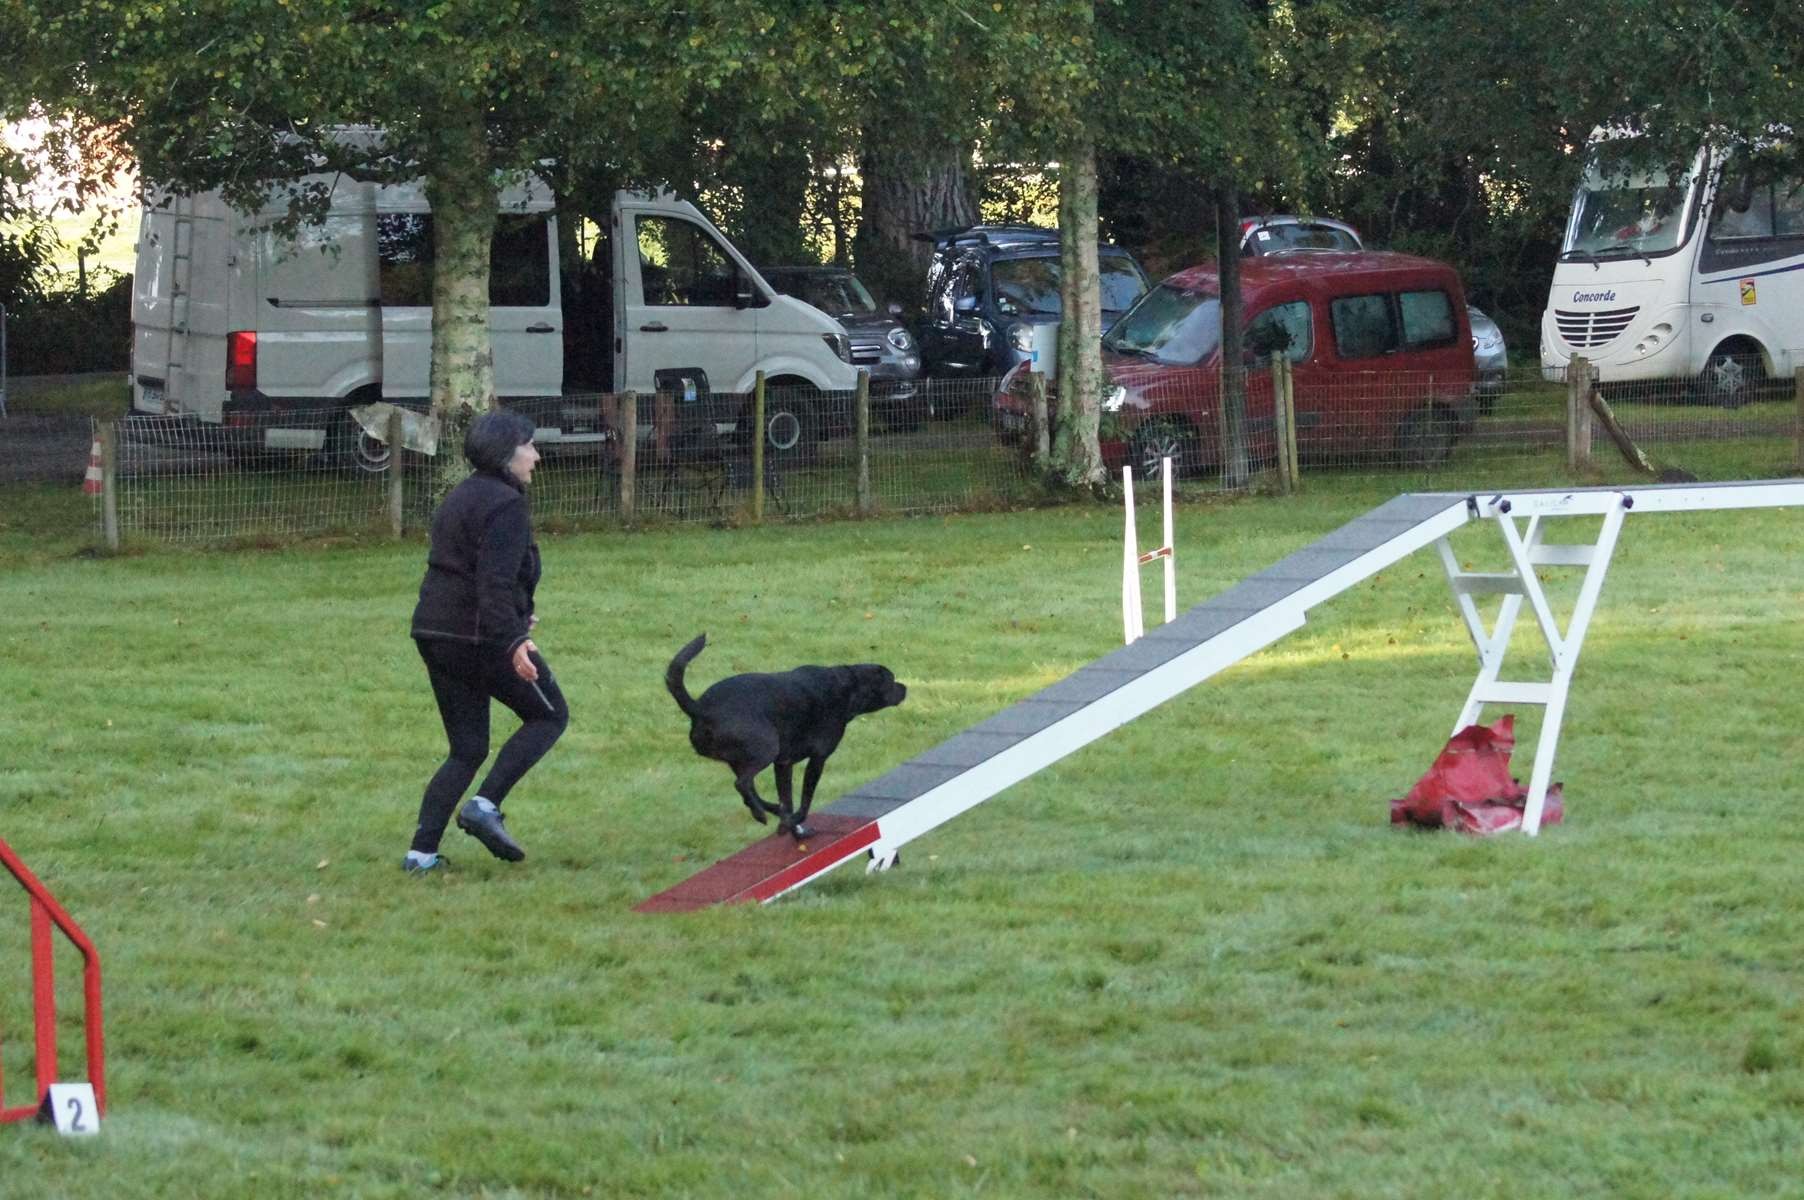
point(1578, 413)
point(861, 435)
point(396, 477)
point(758, 448)
point(109, 483)
point(1281, 435)
point(629, 452)
point(1290, 423)
point(1042, 432)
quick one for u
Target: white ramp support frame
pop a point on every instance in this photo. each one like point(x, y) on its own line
point(969, 768)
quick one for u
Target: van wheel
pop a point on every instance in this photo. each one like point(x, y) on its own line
point(1162, 438)
point(352, 448)
point(1425, 437)
point(791, 427)
point(1730, 376)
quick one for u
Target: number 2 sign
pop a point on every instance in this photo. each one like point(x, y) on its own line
point(71, 1107)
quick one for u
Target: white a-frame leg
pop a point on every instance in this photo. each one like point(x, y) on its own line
point(1527, 551)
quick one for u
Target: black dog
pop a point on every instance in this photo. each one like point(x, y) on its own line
point(751, 722)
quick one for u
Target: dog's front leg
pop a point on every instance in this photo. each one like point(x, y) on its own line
point(785, 787)
point(811, 775)
point(743, 782)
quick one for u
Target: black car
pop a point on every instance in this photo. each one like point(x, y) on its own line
point(881, 344)
point(993, 297)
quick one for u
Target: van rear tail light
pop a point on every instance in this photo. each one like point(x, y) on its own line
point(241, 360)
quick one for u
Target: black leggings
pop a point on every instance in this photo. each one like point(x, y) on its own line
point(464, 678)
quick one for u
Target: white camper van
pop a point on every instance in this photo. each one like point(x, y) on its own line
point(234, 323)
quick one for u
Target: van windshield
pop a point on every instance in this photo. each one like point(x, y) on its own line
point(1170, 325)
point(1623, 212)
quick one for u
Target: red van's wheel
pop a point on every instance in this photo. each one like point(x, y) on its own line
point(1425, 437)
point(1165, 437)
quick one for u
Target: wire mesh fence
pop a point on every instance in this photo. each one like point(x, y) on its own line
point(44, 447)
point(930, 446)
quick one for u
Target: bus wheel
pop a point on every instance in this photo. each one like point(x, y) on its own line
point(1425, 437)
point(352, 448)
point(1730, 376)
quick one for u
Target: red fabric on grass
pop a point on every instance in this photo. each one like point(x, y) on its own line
point(1470, 787)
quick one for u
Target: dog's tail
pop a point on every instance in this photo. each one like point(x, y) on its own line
point(673, 675)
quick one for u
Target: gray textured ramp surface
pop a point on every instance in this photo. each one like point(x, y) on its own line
point(1126, 666)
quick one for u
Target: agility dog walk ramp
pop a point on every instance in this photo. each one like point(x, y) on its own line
point(930, 789)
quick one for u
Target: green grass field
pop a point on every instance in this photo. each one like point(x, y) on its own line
point(1192, 959)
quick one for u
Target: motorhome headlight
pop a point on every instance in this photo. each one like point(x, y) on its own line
point(898, 338)
point(840, 344)
point(1114, 398)
point(1021, 336)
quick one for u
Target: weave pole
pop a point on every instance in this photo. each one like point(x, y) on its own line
point(1133, 624)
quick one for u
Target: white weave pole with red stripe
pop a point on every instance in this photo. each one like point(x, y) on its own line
point(1132, 622)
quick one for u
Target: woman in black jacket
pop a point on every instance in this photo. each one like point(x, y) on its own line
point(473, 627)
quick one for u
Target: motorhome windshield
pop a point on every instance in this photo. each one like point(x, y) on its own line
point(1629, 212)
point(1170, 325)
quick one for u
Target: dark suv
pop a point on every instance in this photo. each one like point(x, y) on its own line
point(993, 297)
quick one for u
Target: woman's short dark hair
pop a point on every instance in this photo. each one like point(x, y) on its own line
point(494, 436)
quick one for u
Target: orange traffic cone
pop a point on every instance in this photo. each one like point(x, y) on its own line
point(91, 482)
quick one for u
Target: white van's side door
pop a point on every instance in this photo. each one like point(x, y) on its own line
point(677, 286)
point(525, 310)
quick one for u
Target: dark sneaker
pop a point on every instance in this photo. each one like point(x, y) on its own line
point(437, 864)
point(486, 827)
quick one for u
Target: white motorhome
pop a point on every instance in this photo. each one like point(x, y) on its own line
point(1695, 274)
point(236, 323)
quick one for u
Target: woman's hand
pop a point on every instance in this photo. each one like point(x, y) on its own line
point(523, 664)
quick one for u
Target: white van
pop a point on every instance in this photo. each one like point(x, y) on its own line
point(235, 323)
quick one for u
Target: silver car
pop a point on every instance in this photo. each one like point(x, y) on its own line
point(1490, 357)
point(881, 344)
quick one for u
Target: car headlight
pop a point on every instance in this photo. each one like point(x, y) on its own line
point(899, 339)
point(840, 344)
point(1021, 336)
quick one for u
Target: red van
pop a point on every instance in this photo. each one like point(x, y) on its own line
point(1379, 346)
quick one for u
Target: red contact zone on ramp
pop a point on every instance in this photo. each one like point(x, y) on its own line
point(769, 867)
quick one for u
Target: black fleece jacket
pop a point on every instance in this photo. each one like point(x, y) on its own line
point(482, 566)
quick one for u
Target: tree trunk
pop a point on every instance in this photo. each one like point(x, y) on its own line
point(907, 190)
point(460, 189)
point(1076, 456)
point(1235, 469)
